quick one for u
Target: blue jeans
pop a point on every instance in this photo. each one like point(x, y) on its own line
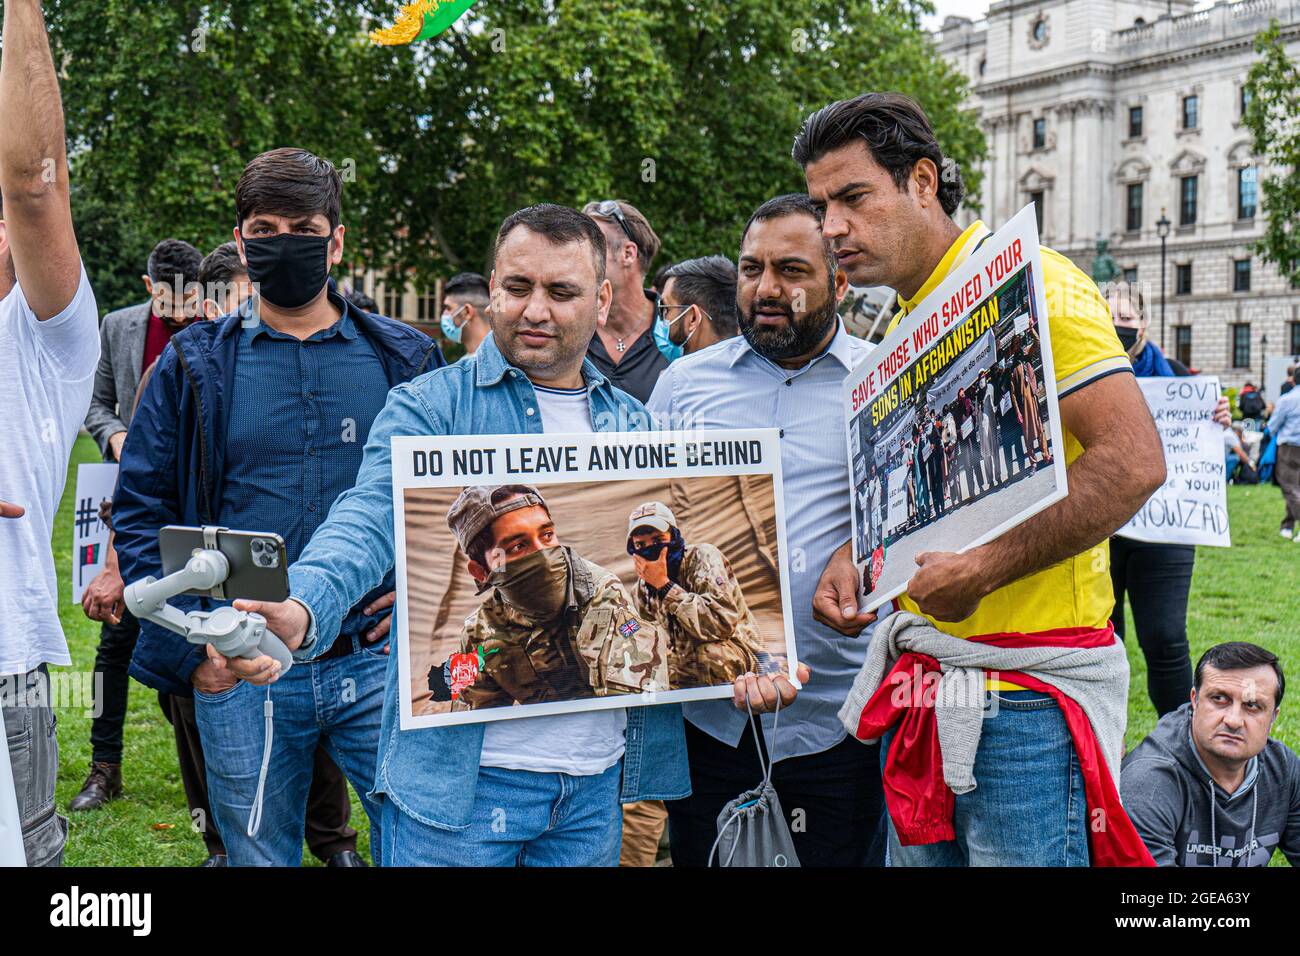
point(1028, 807)
point(336, 703)
point(520, 818)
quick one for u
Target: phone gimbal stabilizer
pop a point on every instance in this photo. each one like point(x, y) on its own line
point(233, 633)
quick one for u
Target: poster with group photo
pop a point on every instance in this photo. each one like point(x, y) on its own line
point(546, 574)
point(953, 430)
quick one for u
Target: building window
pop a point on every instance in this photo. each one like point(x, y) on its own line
point(424, 307)
point(1241, 345)
point(1134, 122)
point(1040, 133)
point(1191, 112)
point(1131, 275)
point(1183, 344)
point(1243, 99)
point(1183, 282)
point(1247, 192)
point(1133, 221)
point(1187, 200)
point(983, 65)
point(1295, 338)
point(1037, 200)
point(1241, 275)
point(393, 300)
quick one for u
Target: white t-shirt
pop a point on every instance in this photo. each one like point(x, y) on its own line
point(47, 371)
point(580, 744)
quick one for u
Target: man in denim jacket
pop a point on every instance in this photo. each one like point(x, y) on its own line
point(534, 791)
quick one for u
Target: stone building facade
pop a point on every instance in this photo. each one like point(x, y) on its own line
point(1109, 114)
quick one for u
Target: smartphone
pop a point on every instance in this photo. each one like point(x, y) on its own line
point(259, 570)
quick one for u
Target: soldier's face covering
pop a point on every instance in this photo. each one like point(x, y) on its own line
point(535, 585)
point(675, 544)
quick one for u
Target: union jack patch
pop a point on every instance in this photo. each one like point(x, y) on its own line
point(628, 628)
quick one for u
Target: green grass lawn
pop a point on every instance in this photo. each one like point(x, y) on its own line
point(150, 824)
point(1250, 592)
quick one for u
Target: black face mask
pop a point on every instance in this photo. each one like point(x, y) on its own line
point(1127, 336)
point(290, 270)
point(676, 551)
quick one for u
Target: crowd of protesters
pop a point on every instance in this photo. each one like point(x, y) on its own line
point(220, 400)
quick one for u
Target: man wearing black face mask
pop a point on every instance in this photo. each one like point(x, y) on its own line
point(553, 626)
point(257, 420)
point(691, 592)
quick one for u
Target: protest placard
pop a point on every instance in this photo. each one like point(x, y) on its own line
point(95, 483)
point(958, 405)
point(1191, 507)
point(544, 574)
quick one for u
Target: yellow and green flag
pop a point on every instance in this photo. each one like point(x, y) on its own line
point(421, 20)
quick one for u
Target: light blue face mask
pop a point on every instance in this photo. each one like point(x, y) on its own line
point(670, 351)
point(449, 326)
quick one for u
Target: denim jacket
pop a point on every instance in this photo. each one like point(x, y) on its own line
point(431, 773)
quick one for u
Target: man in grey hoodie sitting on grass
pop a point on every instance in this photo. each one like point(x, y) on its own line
point(1208, 787)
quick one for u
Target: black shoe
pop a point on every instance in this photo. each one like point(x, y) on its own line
point(346, 858)
point(215, 859)
point(103, 783)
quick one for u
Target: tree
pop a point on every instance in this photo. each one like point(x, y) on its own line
point(167, 101)
point(1273, 91)
point(687, 108)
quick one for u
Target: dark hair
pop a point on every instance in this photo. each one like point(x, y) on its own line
point(221, 265)
point(468, 285)
point(478, 547)
point(897, 133)
point(560, 225)
point(362, 301)
point(1239, 655)
point(661, 278)
point(792, 204)
point(289, 182)
point(171, 258)
point(710, 283)
point(643, 237)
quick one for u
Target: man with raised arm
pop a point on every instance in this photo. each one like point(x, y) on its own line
point(49, 347)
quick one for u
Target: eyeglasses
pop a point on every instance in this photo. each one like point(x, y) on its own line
point(662, 309)
point(609, 209)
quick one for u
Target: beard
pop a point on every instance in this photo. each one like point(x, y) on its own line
point(799, 336)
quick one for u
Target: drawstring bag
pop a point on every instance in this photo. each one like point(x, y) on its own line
point(751, 828)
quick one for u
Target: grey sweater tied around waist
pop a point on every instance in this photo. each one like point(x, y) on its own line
point(1095, 678)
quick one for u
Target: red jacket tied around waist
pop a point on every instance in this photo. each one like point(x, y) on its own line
point(917, 790)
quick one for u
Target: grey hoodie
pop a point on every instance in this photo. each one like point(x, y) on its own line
point(1186, 819)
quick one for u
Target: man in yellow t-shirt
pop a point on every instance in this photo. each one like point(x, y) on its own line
point(874, 167)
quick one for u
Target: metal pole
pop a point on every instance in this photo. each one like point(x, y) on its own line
point(1163, 270)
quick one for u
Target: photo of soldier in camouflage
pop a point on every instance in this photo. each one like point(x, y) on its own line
point(690, 592)
point(587, 592)
point(552, 625)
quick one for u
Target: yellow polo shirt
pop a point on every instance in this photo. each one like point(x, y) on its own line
point(1075, 592)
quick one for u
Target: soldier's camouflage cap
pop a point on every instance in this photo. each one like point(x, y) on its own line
point(652, 514)
point(478, 506)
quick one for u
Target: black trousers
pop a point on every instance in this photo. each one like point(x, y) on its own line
point(832, 800)
point(1156, 579)
point(112, 658)
point(328, 805)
